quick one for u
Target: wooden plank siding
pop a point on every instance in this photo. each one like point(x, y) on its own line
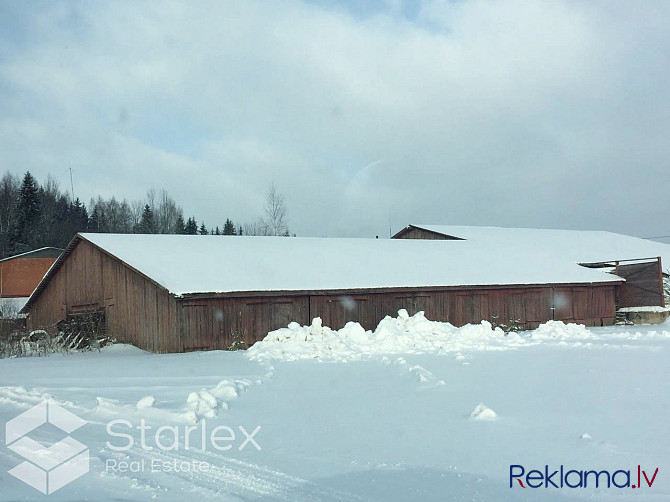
point(643, 286)
point(136, 310)
point(209, 323)
point(592, 305)
point(214, 323)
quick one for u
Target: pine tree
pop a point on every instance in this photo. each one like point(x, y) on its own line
point(229, 228)
point(79, 217)
point(146, 225)
point(203, 229)
point(191, 227)
point(28, 211)
point(180, 226)
point(57, 222)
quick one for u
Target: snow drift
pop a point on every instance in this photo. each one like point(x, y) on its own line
point(415, 334)
point(404, 334)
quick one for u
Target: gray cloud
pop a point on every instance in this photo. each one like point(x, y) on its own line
point(517, 113)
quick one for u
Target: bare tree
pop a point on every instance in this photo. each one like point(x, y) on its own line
point(52, 189)
point(166, 214)
point(274, 221)
point(136, 209)
point(126, 217)
point(255, 228)
point(112, 213)
point(9, 191)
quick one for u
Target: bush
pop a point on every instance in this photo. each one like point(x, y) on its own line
point(514, 325)
point(238, 342)
point(77, 333)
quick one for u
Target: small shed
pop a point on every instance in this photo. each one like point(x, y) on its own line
point(174, 293)
point(20, 274)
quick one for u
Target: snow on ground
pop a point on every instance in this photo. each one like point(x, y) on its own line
point(415, 410)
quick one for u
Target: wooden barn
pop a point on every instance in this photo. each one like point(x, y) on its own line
point(20, 274)
point(639, 261)
point(174, 293)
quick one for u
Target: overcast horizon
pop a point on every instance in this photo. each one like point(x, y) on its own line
point(366, 116)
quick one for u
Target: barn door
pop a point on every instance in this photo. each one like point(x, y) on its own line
point(412, 304)
point(472, 308)
point(197, 329)
point(255, 320)
point(286, 310)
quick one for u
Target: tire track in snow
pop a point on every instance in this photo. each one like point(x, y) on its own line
point(225, 476)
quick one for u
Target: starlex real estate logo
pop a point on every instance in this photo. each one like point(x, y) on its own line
point(47, 469)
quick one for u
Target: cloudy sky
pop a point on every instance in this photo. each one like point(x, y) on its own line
point(365, 115)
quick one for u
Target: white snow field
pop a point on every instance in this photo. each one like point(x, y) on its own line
point(415, 410)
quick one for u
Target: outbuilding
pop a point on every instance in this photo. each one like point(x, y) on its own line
point(20, 274)
point(174, 293)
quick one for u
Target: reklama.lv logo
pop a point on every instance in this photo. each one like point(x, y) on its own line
point(574, 478)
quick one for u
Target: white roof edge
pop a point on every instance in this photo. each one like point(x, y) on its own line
point(29, 252)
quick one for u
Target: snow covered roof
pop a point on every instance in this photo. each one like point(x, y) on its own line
point(578, 246)
point(218, 264)
point(45, 252)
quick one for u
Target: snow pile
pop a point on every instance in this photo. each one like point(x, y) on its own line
point(199, 404)
point(558, 330)
point(203, 404)
point(146, 402)
point(483, 412)
point(394, 335)
point(417, 335)
point(227, 390)
point(206, 402)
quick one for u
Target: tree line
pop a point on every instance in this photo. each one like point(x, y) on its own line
point(34, 215)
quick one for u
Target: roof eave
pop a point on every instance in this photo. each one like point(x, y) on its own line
point(61, 259)
point(194, 295)
point(52, 270)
